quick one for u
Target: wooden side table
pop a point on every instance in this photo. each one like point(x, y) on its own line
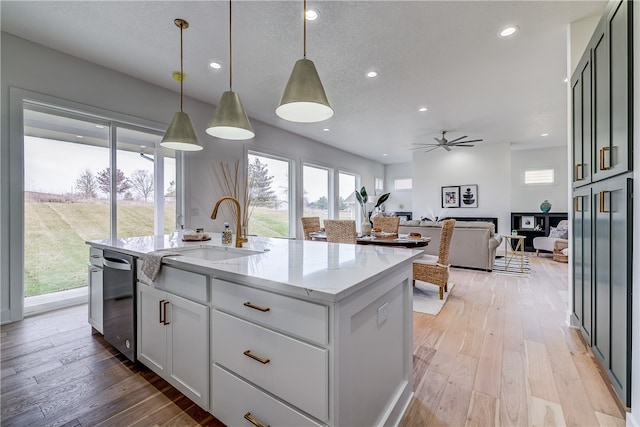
point(518, 251)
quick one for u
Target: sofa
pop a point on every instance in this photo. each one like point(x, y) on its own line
point(473, 244)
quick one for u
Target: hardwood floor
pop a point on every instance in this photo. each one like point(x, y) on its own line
point(499, 353)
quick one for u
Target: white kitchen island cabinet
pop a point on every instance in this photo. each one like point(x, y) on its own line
point(173, 341)
point(300, 333)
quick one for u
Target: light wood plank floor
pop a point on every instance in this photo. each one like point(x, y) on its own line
point(499, 353)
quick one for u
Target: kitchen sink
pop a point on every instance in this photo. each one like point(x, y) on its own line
point(215, 253)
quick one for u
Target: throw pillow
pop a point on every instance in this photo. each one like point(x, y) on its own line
point(554, 233)
point(559, 233)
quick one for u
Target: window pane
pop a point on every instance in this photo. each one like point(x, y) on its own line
point(269, 196)
point(403, 184)
point(379, 184)
point(134, 182)
point(170, 191)
point(539, 176)
point(346, 197)
point(315, 197)
point(63, 203)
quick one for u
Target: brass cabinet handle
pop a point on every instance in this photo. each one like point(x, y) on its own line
point(602, 195)
point(578, 172)
point(256, 307)
point(577, 204)
point(254, 357)
point(603, 150)
point(253, 421)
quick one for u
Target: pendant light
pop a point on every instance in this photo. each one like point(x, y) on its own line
point(180, 134)
point(304, 99)
point(229, 120)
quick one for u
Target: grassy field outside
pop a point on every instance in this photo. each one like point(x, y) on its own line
point(56, 255)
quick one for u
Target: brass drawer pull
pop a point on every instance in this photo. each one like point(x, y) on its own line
point(603, 150)
point(578, 172)
point(254, 357)
point(253, 421)
point(577, 204)
point(256, 307)
point(603, 208)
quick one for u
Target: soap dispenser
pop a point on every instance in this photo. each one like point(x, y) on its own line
point(227, 234)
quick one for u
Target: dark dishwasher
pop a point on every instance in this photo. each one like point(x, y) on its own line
point(119, 302)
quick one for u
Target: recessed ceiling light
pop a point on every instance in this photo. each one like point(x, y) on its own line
point(372, 74)
point(566, 79)
point(544, 134)
point(215, 65)
point(508, 31)
point(79, 136)
point(326, 129)
point(311, 15)
point(422, 109)
point(384, 154)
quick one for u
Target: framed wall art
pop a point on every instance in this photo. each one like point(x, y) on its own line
point(527, 222)
point(469, 196)
point(451, 196)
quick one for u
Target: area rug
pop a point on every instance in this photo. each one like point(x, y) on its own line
point(426, 298)
point(514, 267)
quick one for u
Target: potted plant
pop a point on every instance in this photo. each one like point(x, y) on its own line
point(363, 198)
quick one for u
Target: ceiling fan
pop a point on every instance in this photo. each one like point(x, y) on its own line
point(444, 143)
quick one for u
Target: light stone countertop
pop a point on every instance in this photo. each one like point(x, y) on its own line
point(315, 270)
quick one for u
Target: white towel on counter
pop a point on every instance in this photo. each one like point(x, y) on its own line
point(153, 261)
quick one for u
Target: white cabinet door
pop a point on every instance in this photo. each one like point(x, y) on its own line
point(152, 334)
point(188, 348)
point(95, 298)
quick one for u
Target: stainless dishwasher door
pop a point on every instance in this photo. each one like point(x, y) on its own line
point(119, 302)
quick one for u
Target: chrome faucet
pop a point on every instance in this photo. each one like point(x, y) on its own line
point(239, 239)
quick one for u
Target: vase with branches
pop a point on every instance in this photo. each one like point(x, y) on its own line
point(228, 182)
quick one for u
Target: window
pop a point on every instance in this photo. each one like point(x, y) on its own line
point(538, 176)
point(346, 195)
point(315, 191)
point(269, 195)
point(68, 191)
point(379, 185)
point(402, 184)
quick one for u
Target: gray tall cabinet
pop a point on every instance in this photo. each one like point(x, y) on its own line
point(602, 123)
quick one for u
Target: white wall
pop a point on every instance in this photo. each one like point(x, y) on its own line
point(488, 166)
point(528, 198)
point(399, 200)
point(39, 69)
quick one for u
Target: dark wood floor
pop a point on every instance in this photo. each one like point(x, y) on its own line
point(499, 353)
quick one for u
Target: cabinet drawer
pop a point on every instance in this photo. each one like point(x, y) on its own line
point(303, 319)
point(232, 398)
point(292, 370)
point(95, 256)
point(180, 282)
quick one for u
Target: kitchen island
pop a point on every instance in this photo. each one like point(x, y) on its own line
point(281, 332)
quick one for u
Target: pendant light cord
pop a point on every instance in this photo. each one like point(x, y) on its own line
point(230, 52)
point(181, 66)
point(304, 26)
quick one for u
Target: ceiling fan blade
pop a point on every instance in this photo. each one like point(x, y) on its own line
point(437, 140)
point(446, 147)
point(464, 142)
point(458, 139)
point(457, 145)
point(422, 143)
point(430, 149)
point(424, 147)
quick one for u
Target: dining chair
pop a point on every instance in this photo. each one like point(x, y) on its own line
point(387, 224)
point(435, 269)
point(340, 230)
point(310, 224)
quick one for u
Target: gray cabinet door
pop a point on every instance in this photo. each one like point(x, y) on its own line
point(581, 245)
point(581, 121)
point(612, 74)
point(612, 280)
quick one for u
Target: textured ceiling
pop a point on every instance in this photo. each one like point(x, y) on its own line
point(445, 55)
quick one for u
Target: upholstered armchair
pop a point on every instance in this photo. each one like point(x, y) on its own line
point(559, 233)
